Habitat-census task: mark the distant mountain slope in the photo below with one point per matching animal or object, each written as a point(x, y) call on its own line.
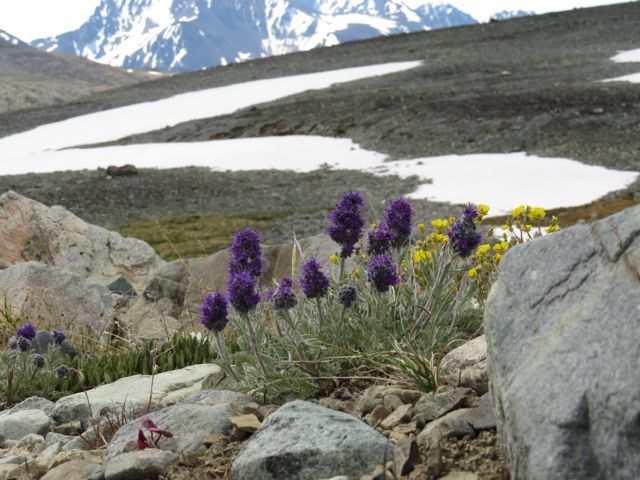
point(30, 78)
point(188, 35)
point(7, 39)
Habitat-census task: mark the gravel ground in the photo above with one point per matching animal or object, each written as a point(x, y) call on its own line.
point(529, 84)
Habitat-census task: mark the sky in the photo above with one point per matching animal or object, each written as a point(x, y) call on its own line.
point(31, 19)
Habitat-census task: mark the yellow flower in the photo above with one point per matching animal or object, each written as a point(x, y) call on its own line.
point(439, 224)
point(501, 247)
point(421, 228)
point(497, 257)
point(482, 249)
point(552, 228)
point(504, 227)
point(527, 228)
point(483, 209)
point(357, 273)
point(472, 273)
point(421, 256)
point(374, 226)
point(536, 214)
point(518, 211)
point(439, 238)
point(334, 259)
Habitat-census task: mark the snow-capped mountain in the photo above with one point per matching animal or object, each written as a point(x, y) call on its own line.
point(186, 35)
point(7, 38)
point(507, 14)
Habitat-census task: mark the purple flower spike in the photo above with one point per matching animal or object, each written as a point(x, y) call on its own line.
point(315, 283)
point(59, 335)
point(214, 311)
point(347, 295)
point(397, 218)
point(383, 272)
point(246, 253)
point(26, 330)
point(38, 360)
point(62, 371)
point(242, 292)
point(24, 344)
point(346, 222)
point(379, 240)
point(283, 297)
point(462, 235)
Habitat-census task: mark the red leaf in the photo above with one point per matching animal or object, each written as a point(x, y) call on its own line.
point(142, 441)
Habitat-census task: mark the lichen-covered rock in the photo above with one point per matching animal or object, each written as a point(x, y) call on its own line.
point(46, 294)
point(16, 425)
point(562, 326)
point(303, 441)
point(30, 230)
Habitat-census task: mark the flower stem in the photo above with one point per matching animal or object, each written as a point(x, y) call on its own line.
point(341, 271)
point(254, 346)
point(320, 315)
point(224, 354)
point(298, 342)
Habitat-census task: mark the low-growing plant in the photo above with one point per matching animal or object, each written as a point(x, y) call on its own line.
point(390, 309)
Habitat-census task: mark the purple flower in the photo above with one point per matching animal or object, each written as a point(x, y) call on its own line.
point(26, 330)
point(313, 280)
point(463, 237)
point(383, 272)
point(379, 240)
point(246, 254)
point(242, 292)
point(38, 360)
point(397, 218)
point(347, 295)
point(62, 371)
point(58, 335)
point(283, 297)
point(346, 222)
point(214, 311)
point(24, 344)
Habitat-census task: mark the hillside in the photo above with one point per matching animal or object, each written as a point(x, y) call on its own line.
point(30, 78)
point(528, 84)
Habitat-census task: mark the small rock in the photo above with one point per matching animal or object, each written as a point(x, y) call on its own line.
point(72, 427)
point(392, 401)
point(122, 171)
point(209, 440)
point(457, 475)
point(245, 423)
point(11, 471)
point(434, 405)
point(16, 425)
point(31, 403)
point(405, 456)
point(76, 470)
point(406, 428)
point(148, 463)
point(466, 366)
point(379, 413)
point(29, 445)
point(218, 397)
point(398, 416)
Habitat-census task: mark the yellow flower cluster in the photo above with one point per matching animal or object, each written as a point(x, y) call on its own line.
point(526, 223)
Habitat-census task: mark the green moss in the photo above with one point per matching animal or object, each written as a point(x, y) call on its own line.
point(195, 235)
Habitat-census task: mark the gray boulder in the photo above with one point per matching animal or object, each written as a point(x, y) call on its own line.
point(30, 230)
point(562, 335)
point(188, 422)
point(168, 389)
point(150, 463)
point(47, 294)
point(303, 441)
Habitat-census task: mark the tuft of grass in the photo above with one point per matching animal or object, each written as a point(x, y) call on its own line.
point(195, 235)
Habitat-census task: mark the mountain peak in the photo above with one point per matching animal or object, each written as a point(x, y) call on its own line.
point(7, 39)
point(186, 35)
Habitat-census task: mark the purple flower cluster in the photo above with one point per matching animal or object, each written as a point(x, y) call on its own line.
point(242, 292)
point(463, 237)
point(313, 280)
point(397, 218)
point(347, 295)
point(38, 360)
point(58, 335)
point(346, 222)
point(283, 297)
point(383, 272)
point(246, 253)
point(214, 311)
point(26, 330)
point(379, 240)
point(62, 371)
